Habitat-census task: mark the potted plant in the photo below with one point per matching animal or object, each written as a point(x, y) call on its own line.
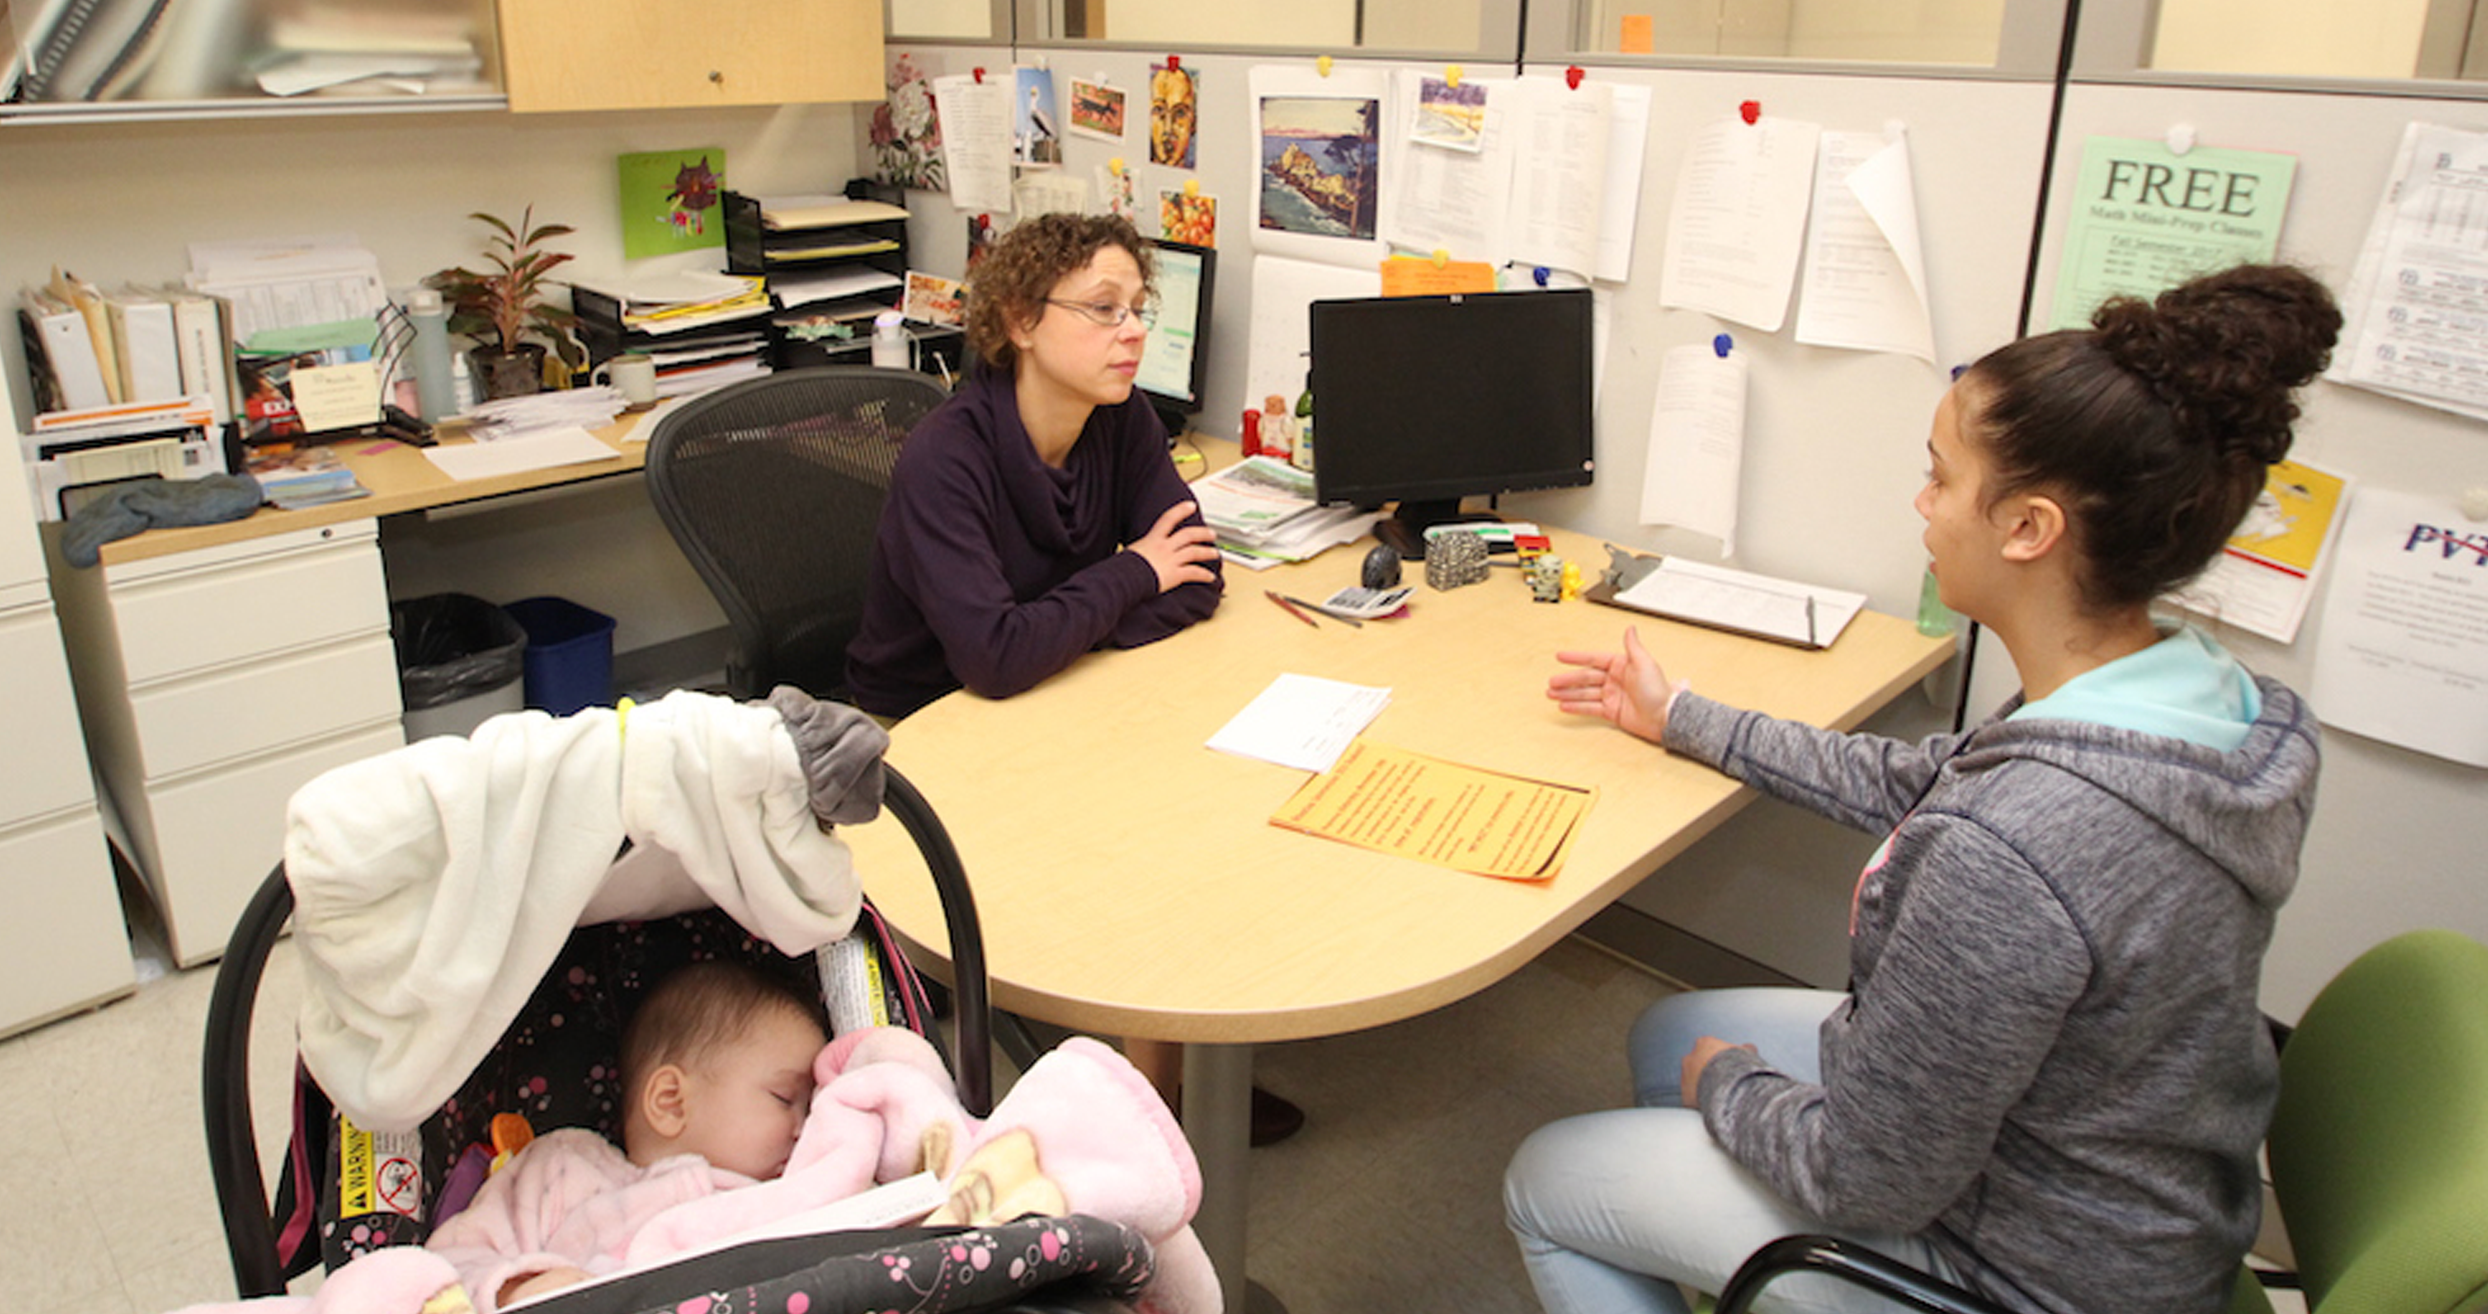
point(503, 307)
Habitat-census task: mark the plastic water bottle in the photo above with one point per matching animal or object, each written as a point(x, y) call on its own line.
point(435, 377)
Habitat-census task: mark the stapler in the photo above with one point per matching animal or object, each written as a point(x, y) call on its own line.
point(405, 428)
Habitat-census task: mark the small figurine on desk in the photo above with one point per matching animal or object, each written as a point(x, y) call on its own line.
point(1278, 428)
point(1546, 577)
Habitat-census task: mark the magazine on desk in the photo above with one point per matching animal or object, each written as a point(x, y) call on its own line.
point(1264, 513)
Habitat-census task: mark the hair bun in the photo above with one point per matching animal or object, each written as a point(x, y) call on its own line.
point(2226, 351)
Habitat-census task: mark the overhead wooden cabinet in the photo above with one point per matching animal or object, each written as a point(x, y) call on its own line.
point(674, 54)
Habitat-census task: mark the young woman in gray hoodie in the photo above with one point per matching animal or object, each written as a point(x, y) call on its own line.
point(2050, 1075)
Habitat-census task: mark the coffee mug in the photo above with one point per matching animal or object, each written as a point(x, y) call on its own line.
point(634, 376)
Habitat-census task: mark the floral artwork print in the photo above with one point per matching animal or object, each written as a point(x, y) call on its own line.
point(906, 131)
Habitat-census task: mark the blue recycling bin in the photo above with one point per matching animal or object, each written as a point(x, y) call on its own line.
point(569, 662)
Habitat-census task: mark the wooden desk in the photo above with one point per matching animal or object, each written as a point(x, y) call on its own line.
point(218, 668)
point(1129, 882)
point(401, 479)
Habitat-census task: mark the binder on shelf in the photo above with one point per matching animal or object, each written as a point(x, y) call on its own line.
point(204, 341)
point(144, 342)
point(69, 375)
point(82, 296)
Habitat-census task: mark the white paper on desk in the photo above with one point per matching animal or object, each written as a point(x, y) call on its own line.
point(976, 140)
point(541, 450)
point(1697, 443)
point(2403, 652)
point(1865, 284)
point(1738, 219)
point(1301, 721)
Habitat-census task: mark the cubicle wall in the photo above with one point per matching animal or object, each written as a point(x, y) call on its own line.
point(2398, 835)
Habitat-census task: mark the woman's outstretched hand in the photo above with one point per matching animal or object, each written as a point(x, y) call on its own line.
point(1179, 553)
point(1625, 687)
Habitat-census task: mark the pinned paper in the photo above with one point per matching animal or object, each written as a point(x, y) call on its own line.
point(1697, 443)
point(1865, 281)
point(1409, 276)
point(976, 141)
point(1738, 219)
point(1097, 110)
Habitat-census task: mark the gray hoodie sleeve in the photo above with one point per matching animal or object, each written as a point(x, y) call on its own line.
point(1866, 782)
point(1975, 976)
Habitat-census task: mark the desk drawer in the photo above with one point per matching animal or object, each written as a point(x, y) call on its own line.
point(222, 609)
point(219, 833)
point(273, 701)
point(43, 767)
point(62, 942)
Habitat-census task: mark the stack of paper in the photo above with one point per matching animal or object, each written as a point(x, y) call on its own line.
point(1264, 513)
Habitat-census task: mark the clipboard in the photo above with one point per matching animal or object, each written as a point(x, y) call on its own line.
point(1718, 598)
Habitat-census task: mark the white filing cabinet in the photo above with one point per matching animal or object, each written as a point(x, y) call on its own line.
point(63, 946)
point(214, 683)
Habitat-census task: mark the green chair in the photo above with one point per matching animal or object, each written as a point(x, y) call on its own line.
point(2378, 1152)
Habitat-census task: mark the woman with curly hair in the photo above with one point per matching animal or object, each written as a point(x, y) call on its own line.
point(1035, 515)
point(2049, 1077)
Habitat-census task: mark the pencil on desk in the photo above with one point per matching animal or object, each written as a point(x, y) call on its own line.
point(1319, 609)
point(1289, 607)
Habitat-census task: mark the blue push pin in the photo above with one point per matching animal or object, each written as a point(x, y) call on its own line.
point(1958, 371)
point(1722, 344)
point(1540, 274)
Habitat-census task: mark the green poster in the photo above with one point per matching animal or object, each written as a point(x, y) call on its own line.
point(671, 201)
point(2144, 218)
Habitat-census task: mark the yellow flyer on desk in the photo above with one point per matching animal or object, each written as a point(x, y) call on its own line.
point(1467, 818)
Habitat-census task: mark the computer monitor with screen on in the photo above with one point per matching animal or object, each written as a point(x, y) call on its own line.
point(1176, 359)
point(1427, 400)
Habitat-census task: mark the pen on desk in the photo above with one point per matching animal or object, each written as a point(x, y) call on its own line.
point(1810, 640)
point(1289, 607)
point(1325, 611)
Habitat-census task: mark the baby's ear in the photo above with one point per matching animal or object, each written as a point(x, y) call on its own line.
point(664, 1101)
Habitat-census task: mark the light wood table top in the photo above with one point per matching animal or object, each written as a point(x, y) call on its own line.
point(1128, 879)
point(400, 480)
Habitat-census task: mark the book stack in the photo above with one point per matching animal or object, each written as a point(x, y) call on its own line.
point(65, 451)
point(1263, 512)
point(298, 477)
point(703, 330)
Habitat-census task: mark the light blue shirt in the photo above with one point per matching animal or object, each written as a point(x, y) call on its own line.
point(2184, 687)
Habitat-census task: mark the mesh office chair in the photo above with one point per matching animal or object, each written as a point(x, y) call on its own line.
point(2378, 1151)
point(773, 488)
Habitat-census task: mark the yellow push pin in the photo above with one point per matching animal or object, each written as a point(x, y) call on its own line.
point(1192, 187)
point(1451, 75)
point(1116, 164)
point(1321, 64)
point(1441, 257)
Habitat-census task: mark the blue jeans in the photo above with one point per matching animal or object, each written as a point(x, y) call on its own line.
point(1613, 1210)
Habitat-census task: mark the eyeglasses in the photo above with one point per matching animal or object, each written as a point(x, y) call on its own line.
point(1108, 314)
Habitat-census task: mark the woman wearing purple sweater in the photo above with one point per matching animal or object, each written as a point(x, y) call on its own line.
point(1035, 516)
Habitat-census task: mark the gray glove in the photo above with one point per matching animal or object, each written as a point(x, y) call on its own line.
point(840, 749)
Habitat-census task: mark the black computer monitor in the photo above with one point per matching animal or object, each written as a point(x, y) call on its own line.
point(1427, 400)
point(1176, 360)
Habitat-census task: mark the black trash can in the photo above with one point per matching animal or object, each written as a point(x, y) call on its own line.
point(459, 659)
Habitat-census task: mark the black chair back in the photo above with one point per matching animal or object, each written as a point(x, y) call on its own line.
point(773, 489)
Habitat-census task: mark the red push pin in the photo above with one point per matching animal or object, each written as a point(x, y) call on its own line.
point(1572, 77)
point(980, 76)
point(1174, 61)
point(1751, 110)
